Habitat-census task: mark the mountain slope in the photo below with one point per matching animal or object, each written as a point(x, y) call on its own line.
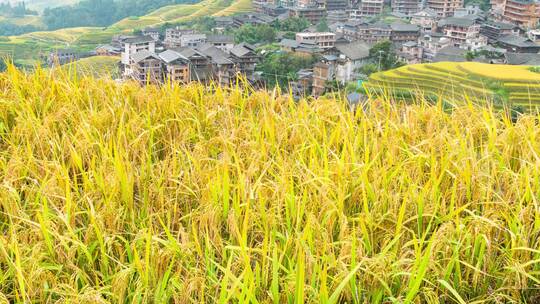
point(26, 48)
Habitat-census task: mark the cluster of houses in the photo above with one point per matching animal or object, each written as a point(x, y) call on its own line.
point(182, 56)
point(420, 31)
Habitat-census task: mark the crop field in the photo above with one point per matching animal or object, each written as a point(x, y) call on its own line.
point(95, 66)
point(26, 48)
point(115, 193)
point(21, 21)
point(502, 85)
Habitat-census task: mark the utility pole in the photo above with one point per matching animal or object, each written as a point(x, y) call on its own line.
point(380, 58)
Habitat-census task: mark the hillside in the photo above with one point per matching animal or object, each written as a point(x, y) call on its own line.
point(118, 194)
point(26, 48)
point(503, 85)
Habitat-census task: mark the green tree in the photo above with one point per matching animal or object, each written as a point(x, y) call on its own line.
point(384, 55)
point(280, 68)
point(322, 26)
point(292, 24)
point(255, 34)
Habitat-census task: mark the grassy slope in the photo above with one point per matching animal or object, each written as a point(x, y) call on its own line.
point(504, 84)
point(115, 194)
point(27, 47)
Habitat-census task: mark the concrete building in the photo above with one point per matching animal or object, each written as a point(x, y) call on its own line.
point(312, 14)
point(192, 40)
point(368, 8)
point(426, 19)
point(135, 45)
point(222, 42)
point(173, 36)
point(432, 43)
point(323, 40)
point(152, 32)
point(444, 8)
point(407, 7)
point(459, 30)
point(524, 13)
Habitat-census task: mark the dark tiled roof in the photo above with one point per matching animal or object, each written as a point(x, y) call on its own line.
point(522, 59)
point(355, 50)
point(217, 55)
point(139, 39)
point(456, 21)
point(404, 27)
point(142, 55)
point(514, 40)
point(169, 56)
point(220, 39)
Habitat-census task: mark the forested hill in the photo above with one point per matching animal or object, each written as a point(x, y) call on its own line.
point(101, 12)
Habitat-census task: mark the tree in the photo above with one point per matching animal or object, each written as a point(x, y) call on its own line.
point(281, 68)
point(322, 26)
point(384, 55)
point(255, 34)
point(293, 24)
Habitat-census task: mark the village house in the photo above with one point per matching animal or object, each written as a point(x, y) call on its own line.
point(373, 33)
point(518, 44)
point(493, 30)
point(107, 50)
point(222, 67)
point(252, 19)
point(152, 32)
point(432, 43)
point(200, 64)
point(145, 67)
point(337, 16)
point(223, 23)
point(407, 7)
point(367, 8)
point(323, 40)
point(336, 5)
point(176, 66)
point(60, 57)
point(350, 58)
point(273, 10)
point(192, 40)
point(469, 10)
point(305, 49)
point(303, 85)
point(222, 42)
point(322, 73)
point(402, 32)
point(135, 45)
point(426, 19)
point(411, 52)
point(524, 13)
point(463, 32)
point(173, 36)
point(444, 8)
point(245, 58)
point(313, 14)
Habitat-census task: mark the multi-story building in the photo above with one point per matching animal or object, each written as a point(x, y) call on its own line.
point(176, 66)
point(273, 10)
point(245, 58)
point(459, 30)
point(493, 30)
point(135, 45)
point(146, 68)
point(200, 64)
point(336, 5)
point(432, 43)
point(252, 18)
point(222, 42)
point(471, 9)
point(312, 14)
point(426, 19)
point(192, 40)
point(259, 4)
point(518, 44)
point(152, 32)
point(402, 32)
point(444, 8)
point(60, 57)
point(368, 8)
point(322, 73)
point(407, 7)
point(373, 33)
point(524, 13)
point(337, 16)
point(497, 7)
point(323, 40)
point(411, 52)
point(173, 36)
point(222, 67)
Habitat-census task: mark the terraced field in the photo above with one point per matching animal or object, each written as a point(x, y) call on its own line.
point(26, 48)
point(453, 82)
point(96, 66)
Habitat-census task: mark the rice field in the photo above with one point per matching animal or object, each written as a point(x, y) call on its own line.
point(115, 193)
point(27, 48)
point(501, 85)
